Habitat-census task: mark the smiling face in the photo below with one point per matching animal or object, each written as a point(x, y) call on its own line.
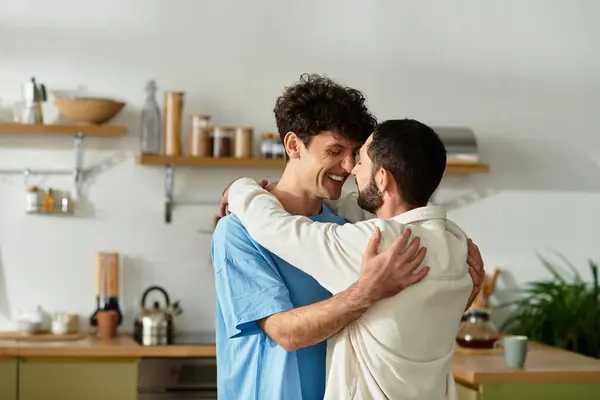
point(325, 163)
point(369, 197)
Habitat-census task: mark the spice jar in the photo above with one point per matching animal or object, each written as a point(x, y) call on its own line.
point(222, 138)
point(277, 147)
point(200, 144)
point(243, 142)
point(49, 202)
point(32, 200)
point(66, 205)
point(266, 145)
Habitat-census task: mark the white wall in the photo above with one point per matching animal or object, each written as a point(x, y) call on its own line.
point(524, 75)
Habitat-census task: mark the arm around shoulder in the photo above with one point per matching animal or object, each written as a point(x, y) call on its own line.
point(329, 252)
point(347, 207)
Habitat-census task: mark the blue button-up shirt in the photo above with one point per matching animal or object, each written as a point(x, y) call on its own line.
point(252, 284)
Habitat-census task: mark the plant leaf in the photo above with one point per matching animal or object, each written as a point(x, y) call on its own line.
point(559, 311)
point(576, 275)
point(551, 269)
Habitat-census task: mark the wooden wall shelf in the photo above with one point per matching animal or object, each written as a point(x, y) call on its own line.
point(170, 162)
point(456, 167)
point(77, 132)
point(14, 128)
point(209, 162)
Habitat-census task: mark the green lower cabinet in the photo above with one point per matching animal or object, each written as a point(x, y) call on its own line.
point(528, 391)
point(77, 379)
point(8, 378)
point(466, 393)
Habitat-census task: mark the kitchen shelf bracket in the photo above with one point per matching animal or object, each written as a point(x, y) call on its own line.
point(78, 171)
point(170, 201)
point(169, 184)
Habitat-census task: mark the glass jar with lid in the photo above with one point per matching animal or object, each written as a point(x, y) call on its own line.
point(222, 141)
point(266, 145)
point(32, 200)
point(200, 144)
point(278, 148)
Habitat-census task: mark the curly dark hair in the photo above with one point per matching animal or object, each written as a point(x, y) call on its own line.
point(316, 104)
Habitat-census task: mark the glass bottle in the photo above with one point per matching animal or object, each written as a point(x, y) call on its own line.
point(151, 122)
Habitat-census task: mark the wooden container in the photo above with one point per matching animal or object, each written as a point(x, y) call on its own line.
point(107, 324)
point(200, 140)
point(173, 110)
point(242, 147)
point(107, 280)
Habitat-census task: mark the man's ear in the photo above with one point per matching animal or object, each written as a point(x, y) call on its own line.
point(385, 180)
point(292, 143)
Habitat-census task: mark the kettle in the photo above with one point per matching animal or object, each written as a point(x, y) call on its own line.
point(155, 326)
point(33, 96)
point(476, 331)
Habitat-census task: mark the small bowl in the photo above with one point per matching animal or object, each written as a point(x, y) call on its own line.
point(28, 327)
point(89, 110)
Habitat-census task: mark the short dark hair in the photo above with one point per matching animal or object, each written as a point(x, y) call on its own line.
point(414, 154)
point(316, 104)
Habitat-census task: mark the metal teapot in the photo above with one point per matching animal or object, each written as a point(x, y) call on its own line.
point(156, 326)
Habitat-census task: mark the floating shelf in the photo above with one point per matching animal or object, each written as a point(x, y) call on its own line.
point(14, 128)
point(453, 167)
point(211, 162)
point(170, 162)
point(53, 213)
point(78, 132)
point(460, 167)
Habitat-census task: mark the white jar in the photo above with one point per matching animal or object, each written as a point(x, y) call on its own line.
point(32, 200)
point(60, 327)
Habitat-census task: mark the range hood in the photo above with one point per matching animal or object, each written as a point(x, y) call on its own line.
point(460, 142)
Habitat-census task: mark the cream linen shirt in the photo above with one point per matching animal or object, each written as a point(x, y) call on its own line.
point(401, 347)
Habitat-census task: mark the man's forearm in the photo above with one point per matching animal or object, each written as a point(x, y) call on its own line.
point(312, 324)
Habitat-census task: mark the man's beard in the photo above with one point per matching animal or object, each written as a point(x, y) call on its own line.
point(369, 199)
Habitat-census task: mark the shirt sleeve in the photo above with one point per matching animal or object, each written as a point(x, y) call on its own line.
point(248, 287)
point(329, 252)
point(347, 207)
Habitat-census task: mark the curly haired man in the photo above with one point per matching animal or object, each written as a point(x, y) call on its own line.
point(273, 319)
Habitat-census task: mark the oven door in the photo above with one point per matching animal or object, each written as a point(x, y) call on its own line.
point(177, 378)
point(178, 396)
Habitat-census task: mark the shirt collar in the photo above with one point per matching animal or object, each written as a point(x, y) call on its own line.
point(421, 214)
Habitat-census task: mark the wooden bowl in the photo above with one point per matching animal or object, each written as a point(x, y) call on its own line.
point(89, 110)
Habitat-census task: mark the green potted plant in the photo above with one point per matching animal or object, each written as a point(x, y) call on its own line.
point(563, 311)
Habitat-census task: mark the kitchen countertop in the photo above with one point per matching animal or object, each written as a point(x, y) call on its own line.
point(543, 364)
point(470, 367)
point(91, 347)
